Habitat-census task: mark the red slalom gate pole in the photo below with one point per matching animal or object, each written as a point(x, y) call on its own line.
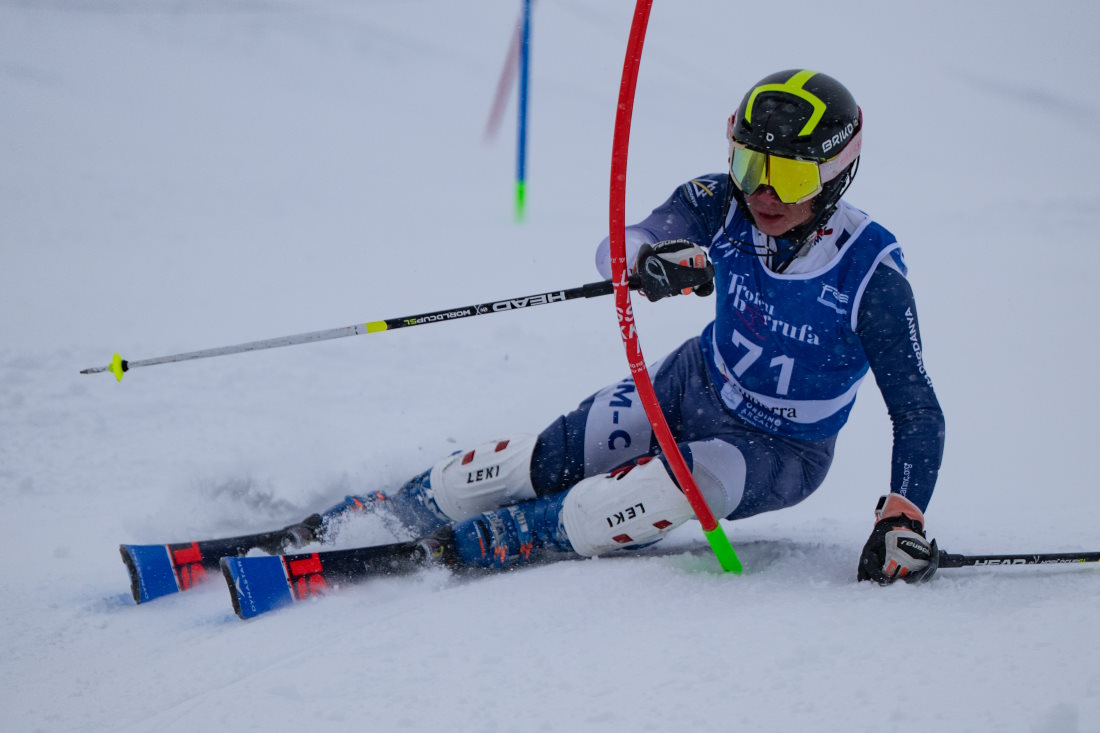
point(507, 76)
point(715, 535)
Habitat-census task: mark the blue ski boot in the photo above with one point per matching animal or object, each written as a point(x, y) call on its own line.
point(512, 535)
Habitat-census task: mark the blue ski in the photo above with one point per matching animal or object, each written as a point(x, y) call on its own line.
point(263, 583)
point(159, 570)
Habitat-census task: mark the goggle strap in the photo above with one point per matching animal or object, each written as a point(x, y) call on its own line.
point(833, 167)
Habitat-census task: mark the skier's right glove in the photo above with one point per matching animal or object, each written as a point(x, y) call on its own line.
point(897, 547)
point(674, 267)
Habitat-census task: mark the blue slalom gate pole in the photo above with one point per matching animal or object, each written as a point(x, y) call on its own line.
point(524, 74)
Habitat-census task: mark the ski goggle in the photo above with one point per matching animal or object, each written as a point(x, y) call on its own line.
point(793, 180)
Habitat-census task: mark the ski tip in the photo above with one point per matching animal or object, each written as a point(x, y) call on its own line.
point(151, 571)
point(233, 596)
point(135, 582)
point(256, 584)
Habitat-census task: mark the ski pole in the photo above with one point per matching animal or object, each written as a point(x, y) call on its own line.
point(120, 366)
point(950, 560)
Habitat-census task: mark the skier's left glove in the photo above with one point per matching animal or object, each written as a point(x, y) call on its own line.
point(897, 547)
point(674, 267)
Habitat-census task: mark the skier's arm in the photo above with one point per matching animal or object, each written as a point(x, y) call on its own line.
point(692, 213)
point(887, 327)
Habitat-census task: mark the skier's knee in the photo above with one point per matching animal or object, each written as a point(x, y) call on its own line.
point(639, 504)
point(629, 507)
point(491, 475)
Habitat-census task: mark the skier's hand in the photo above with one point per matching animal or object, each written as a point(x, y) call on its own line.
point(897, 547)
point(673, 267)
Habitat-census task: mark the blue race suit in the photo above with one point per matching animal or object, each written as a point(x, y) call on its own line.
point(774, 376)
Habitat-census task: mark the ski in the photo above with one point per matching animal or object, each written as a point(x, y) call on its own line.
point(259, 584)
point(160, 570)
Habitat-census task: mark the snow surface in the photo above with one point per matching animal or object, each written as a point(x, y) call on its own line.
point(181, 175)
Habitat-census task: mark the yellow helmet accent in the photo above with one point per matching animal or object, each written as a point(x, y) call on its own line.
point(792, 86)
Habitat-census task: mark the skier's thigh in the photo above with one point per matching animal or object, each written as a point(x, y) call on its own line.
point(616, 429)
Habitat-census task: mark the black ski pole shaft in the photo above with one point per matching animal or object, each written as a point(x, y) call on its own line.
point(120, 366)
point(950, 560)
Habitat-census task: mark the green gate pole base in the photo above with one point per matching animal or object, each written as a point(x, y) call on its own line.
point(727, 558)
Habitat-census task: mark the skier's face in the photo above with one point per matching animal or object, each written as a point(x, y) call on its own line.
point(772, 216)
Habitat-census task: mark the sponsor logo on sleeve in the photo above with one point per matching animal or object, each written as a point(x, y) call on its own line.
point(697, 188)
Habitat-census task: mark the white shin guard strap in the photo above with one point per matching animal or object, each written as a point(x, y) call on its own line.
point(612, 511)
point(488, 477)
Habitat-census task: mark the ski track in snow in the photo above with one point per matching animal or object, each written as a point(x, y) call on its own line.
point(181, 176)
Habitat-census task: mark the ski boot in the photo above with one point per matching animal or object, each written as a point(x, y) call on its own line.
point(512, 535)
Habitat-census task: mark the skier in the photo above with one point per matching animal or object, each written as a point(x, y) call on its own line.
point(810, 294)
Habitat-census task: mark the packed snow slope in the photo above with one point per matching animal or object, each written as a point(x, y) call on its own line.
point(175, 176)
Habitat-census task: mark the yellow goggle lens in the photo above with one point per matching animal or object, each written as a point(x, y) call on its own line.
point(794, 181)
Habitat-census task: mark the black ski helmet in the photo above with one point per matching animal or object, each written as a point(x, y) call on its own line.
point(805, 115)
